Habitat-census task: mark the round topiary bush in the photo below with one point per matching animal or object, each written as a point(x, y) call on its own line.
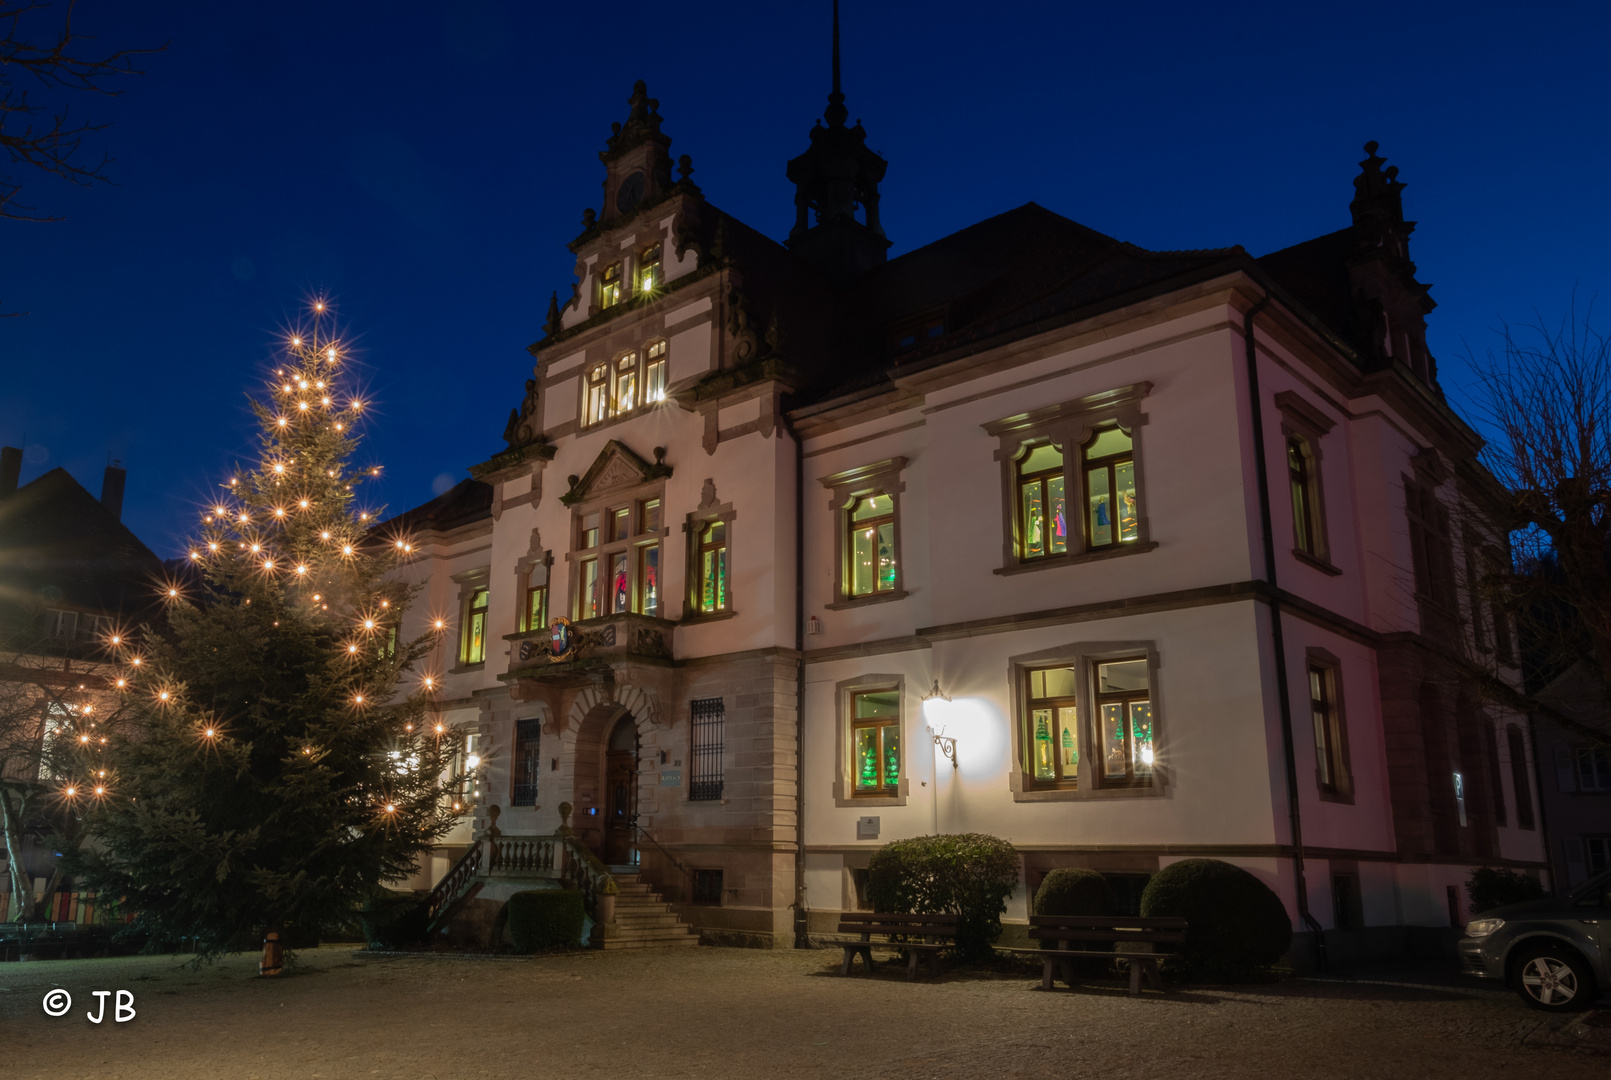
point(1234, 923)
point(970, 874)
point(544, 919)
point(1071, 891)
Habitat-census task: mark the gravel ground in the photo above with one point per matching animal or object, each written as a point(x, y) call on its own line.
point(717, 1013)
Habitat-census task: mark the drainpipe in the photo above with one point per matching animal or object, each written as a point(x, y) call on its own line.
point(801, 930)
point(1277, 641)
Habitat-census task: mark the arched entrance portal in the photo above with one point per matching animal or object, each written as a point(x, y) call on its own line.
point(620, 791)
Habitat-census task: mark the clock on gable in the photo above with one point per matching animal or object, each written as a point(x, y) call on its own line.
point(630, 193)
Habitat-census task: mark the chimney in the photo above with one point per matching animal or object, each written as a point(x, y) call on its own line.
point(112, 490)
point(10, 469)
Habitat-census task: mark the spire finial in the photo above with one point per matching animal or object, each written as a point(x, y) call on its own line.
point(836, 111)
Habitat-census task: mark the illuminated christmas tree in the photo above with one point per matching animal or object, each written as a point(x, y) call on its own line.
point(284, 762)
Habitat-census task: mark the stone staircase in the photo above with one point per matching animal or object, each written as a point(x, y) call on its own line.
point(643, 920)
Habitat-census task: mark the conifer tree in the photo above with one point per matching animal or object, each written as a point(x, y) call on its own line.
point(284, 763)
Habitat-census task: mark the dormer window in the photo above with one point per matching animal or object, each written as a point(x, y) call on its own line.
point(649, 278)
point(630, 382)
point(610, 286)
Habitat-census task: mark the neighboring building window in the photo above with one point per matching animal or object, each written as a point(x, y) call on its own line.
point(473, 629)
point(707, 886)
point(654, 373)
point(1597, 853)
point(871, 545)
point(610, 286)
point(875, 740)
point(1113, 510)
point(713, 567)
point(1519, 784)
point(1593, 769)
point(649, 269)
point(1053, 738)
point(528, 762)
point(61, 624)
point(1300, 476)
point(1042, 524)
point(1323, 709)
point(705, 749)
point(535, 610)
point(597, 405)
point(1124, 715)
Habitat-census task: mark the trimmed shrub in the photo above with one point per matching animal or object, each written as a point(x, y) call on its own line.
point(1492, 887)
point(392, 920)
point(970, 874)
point(1070, 891)
point(1235, 924)
point(545, 919)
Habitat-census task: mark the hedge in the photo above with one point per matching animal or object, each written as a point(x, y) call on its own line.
point(970, 874)
point(545, 919)
point(1492, 887)
point(1235, 924)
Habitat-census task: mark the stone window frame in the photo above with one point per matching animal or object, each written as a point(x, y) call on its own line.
point(1083, 656)
point(468, 582)
point(709, 511)
point(1071, 424)
point(1302, 421)
point(536, 557)
point(878, 477)
point(634, 497)
point(1342, 789)
point(843, 691)
point(640, 365)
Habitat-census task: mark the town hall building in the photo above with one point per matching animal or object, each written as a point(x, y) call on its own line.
point(1125, 556)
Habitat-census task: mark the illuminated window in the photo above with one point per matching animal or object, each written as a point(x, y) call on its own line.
point(619, 560)
point(654, 374)
point(610, 286)
point(875, 742)
point(1112, 511)
point(649, 278)
point(587, 596)
point(1042, 524)
point(473, 629)
point(536, 608)
point(713, 568)
point(1124, 718)
point(597, 405)
point(626, 384)
point(870, 546)
point(1053, 736)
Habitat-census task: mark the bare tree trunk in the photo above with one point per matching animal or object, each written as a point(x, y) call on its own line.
point(21, 888)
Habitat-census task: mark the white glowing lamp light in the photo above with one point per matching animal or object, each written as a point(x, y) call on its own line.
point(473, 761)
point(936, 709)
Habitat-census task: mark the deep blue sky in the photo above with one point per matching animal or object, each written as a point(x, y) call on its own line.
point(425, 164)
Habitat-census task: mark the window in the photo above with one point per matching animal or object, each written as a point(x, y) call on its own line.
point(535, 610)
point(1518, 777)
point(473, 630)
point(528, 762)
point(707, 886)
point(712, 568)
point(1460, 798)
point(871, 545)
point(610, 286)
point(649, 269)
point(1593, 769)
point(858, 885)
point(622, 543)
point(1124, 716)
point(1496, 774)
point(654, 373)
point(1054, 738)
point(61, 624)
point(1345, 914)
point(1300, 478)
point(1042, 513)
point(875, 737)
point(1331, 770)
point(1429, 545)
point(1597, 853)
point(1113, 512)
point(597, 408)
point(705, 749)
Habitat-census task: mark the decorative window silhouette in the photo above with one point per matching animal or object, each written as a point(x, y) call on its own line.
point(875, 739)
point(1042, 525)
point(473, 629)
point(1113, 507)
point(1053, 738)
point(871, 546)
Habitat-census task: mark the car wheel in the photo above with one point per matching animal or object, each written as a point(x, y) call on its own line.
point(1554, 979)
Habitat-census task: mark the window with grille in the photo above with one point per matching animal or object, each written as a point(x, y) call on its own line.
point(527, 762)
point(707, 886)
point(705, 773)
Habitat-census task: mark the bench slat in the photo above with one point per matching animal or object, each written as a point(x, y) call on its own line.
point(1056, 934)
point(1110, 922)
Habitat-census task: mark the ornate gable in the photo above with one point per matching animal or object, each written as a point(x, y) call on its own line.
point(616, 468)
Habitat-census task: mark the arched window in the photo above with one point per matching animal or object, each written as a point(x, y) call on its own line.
point(1113, 507)
point(1042, 523)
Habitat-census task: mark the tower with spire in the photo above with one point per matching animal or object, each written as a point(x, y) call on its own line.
point(837, 176)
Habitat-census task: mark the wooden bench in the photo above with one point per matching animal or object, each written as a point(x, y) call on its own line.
point(936, 931)
point(1069, 932)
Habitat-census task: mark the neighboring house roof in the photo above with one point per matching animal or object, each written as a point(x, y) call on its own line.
point(60, 547)
point(465, 503)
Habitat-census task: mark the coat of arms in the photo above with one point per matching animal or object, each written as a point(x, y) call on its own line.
point(561, 641)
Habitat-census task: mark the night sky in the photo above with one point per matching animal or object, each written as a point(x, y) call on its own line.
point(424, 165)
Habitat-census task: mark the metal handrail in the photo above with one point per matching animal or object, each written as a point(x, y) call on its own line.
point(673, 859)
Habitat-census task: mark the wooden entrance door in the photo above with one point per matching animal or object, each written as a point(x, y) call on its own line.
point(620, 792)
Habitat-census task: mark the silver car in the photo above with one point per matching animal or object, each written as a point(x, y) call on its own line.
point(1555, 952)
